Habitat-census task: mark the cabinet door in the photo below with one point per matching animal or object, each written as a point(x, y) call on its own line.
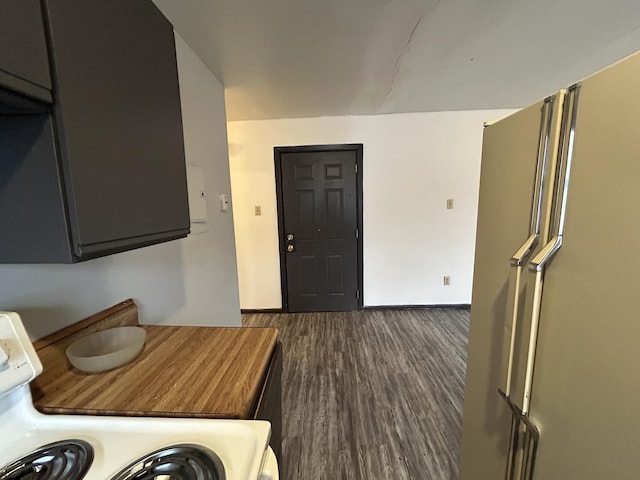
point(24, 65)
point(117, 113)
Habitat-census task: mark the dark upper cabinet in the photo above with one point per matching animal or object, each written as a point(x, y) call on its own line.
point(104, 170)
point(24, 67)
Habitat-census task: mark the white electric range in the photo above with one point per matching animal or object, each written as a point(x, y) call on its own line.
point(34, 446)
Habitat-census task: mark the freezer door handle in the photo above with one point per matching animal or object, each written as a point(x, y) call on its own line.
point(525, 250)
point(542, 259)
point(563, 174)
point(520, 257)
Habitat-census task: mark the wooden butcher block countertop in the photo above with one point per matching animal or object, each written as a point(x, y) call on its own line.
point(211, 372)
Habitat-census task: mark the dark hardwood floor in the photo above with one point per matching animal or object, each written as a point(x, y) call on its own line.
point(371, 394)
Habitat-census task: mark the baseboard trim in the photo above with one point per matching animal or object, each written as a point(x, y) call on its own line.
point(261, 310)
point(460, 306)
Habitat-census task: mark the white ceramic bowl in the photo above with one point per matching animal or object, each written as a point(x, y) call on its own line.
point(106, 349)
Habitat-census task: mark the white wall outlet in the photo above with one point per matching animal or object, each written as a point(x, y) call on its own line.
point(257, 210)
point(446, 280)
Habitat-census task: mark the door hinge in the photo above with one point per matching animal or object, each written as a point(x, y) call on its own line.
point(358, 294)
point(357, 233)
point(356, 168)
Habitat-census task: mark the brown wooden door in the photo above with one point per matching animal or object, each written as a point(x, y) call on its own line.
point(319, 228)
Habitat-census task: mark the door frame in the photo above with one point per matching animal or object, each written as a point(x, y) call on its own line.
point(345, 147)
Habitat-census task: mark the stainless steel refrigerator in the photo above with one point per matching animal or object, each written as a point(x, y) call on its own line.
point(553, 374)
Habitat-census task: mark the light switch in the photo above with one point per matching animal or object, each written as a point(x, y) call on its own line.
point(257, 210)
point(223, 199)
point(449, 203)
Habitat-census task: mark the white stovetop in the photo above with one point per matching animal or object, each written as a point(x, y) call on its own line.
point(118, 441)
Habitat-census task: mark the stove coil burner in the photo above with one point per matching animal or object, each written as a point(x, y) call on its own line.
point(65, 460)
point(177, 462)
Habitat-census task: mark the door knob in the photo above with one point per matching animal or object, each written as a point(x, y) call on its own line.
point(291, 242)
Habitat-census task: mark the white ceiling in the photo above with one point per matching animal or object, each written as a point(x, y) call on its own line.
point(309, 58)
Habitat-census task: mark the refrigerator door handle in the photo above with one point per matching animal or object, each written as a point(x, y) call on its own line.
point(539, 263)
point(519, 258)
point(563, 173)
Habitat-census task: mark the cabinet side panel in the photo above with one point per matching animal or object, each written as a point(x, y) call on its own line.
point(31, 206)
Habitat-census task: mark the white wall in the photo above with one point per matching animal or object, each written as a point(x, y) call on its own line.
point(189, 281)
point(412, 164)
